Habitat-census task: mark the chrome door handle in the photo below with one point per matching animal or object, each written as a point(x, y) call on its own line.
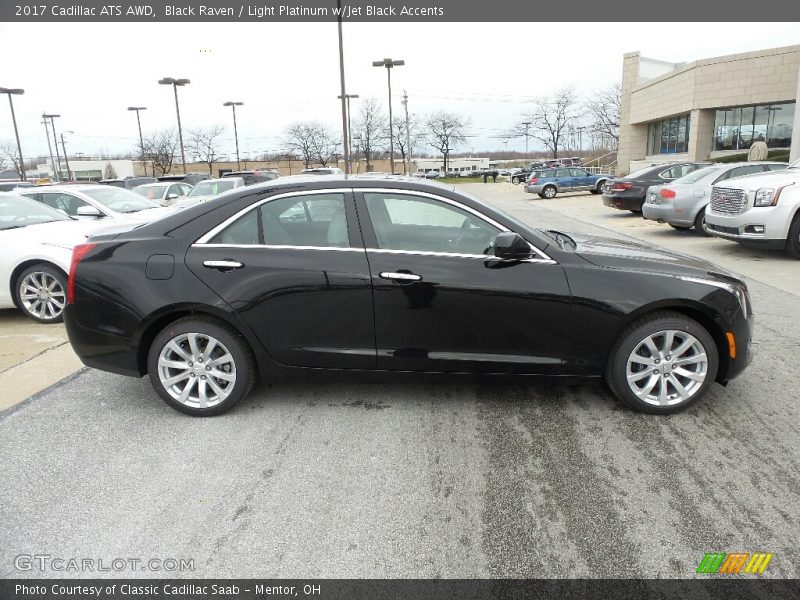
point(222, 264)
point(400, 276)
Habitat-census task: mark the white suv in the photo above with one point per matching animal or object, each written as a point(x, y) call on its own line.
point(759, 210)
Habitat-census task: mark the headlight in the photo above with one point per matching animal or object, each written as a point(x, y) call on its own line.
point(764, 197)
point(739, 291)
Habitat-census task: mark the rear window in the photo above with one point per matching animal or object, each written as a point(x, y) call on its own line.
point(151, 191)
point(212, 188)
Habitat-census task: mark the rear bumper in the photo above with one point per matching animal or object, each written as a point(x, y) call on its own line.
point(623, 202)
point(534, 188)
point(99, 350)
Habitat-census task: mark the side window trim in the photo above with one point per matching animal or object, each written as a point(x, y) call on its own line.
point(203, 241)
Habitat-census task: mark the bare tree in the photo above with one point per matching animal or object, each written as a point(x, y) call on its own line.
point(160, 148)
point(303, 138)
point(415, 136)
point(550, 117)
point(372, 127)
point(9, 157)
point(445, 132)
point(604, 108)
point(327, 146)
point(204, 144)
point(109, 172)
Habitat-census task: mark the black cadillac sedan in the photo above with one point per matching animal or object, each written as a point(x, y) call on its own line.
point(395, 275)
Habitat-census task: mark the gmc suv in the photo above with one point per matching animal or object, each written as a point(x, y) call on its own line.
point(758, 210)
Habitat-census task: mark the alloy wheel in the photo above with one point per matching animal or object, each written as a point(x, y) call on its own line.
point(667, 368)
point(42, 295)
point(197, 370)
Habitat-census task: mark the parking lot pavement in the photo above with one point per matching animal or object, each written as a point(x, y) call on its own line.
point(414, 476)
point(32, 357)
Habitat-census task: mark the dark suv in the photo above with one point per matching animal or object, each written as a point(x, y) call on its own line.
point(628, 193)
point(128, 182)
point(251, 177)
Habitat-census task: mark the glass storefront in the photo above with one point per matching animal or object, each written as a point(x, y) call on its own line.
point(738, 128)
point(670, 136)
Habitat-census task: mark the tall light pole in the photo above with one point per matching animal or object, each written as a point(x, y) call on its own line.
point(49, 147)
point(408, 134)
point(390, 64)
point(580, 140)
point(233, 106)
point(349, 130)
point(342, 94)
point(64, 148)
point(15, 92)
point(176, 83)
point(141, 139)
point(527, 125)
point(55, 142)
point(505, 148)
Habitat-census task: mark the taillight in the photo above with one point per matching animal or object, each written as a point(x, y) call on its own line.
point(619, 186)
point(666, 193)
point(78, 252)
point(533, 180)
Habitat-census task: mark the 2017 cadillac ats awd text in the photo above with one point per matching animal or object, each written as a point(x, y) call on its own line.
point(395, 275)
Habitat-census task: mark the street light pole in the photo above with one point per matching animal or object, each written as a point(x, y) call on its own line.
point(527, 125)
point(349, 130)
point(345, 111)
point(55, 142)
point(233, 106)
point(15, 92)
point(49, 147)
point(64, 148)
point(141, 139)
point(389, 64)
point(175, 83)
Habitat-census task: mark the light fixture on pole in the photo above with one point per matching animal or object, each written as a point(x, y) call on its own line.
point(141, 139)
point(233, 106)
point(389, 64)
point(176, 83)
point(15, 92)
point(349, 129)
point(55, 143)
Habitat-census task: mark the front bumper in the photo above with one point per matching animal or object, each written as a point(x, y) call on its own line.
point(742, 331)
point(765, 227)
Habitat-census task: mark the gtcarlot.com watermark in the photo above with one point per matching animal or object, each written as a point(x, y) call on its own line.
point(61, 564)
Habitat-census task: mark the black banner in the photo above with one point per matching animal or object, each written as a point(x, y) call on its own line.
point(722, 588)
point(394, 11)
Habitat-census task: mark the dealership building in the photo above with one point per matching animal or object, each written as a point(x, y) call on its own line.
point(708, 108)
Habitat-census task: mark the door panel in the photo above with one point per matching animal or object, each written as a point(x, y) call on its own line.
point(310, 306)
point(564, 179)
point(461, 310)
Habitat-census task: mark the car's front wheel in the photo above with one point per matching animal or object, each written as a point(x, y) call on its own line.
point(42, 293)
point(201, 366)
point(598, 189)
point(662, 363)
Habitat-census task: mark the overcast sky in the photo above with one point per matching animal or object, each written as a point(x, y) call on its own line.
point(284, 72)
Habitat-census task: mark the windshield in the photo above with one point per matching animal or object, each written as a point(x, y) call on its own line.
point(151, 191)
point(119, 200)
point(212, 188)
point(16, 211)
point(696, 176)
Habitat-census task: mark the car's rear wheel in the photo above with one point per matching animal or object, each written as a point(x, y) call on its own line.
point(41, 292)
point(662, 363)
point(793, 239)
point(549, 192)
point(201, 366)
point(700, 224)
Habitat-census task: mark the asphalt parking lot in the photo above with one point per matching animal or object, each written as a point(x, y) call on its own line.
point(424, 476)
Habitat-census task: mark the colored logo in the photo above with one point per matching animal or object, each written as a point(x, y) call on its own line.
point(734, 563)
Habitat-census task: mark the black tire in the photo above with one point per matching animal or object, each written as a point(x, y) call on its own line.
point(700, 224)
point(680, 227)
point(33, 308)
point(616, 369)
point(245, 368)
point(549, 192)
point(793, 238)
point(516, 180)
point(541, 195)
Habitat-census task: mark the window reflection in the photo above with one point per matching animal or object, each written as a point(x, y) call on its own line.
point(738, 128)
point(670, 136)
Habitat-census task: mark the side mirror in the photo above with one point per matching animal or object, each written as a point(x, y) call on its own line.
point(511, 246)
point(89, 211)
point(172, 196)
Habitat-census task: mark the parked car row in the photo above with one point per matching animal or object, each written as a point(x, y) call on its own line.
point(753, 203)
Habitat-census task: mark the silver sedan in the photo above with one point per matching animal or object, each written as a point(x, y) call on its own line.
point(682, 203)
